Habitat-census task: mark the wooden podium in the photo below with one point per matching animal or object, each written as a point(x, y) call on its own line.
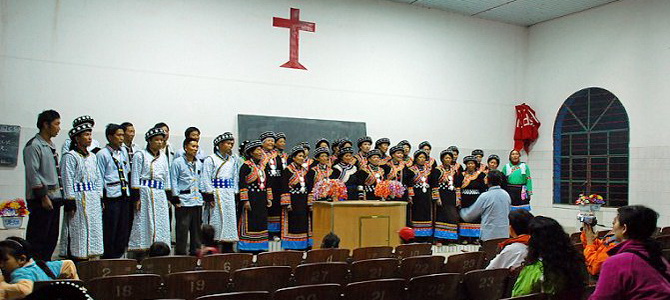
point(360, 223)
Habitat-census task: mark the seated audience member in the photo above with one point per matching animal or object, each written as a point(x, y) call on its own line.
point(553, 265)
point(16, 261)
point(514, 250)
point(406, 235)
point(635, 268)
point(159, 249)
point(209, 245)
point(331, 240)
point(595, 249)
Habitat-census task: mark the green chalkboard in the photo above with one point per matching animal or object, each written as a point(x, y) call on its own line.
point(9, 145)
point(297, 130)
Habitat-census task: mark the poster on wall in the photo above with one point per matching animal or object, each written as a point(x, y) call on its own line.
point(9, 145)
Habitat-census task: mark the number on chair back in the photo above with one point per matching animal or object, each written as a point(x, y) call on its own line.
point(124, 291)
point(469, 264)
point(197, 285)
point(486, 282)
point(421, 268)
point(319, 276)
point(376, 272)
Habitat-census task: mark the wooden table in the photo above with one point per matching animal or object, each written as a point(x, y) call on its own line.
point(359, 223)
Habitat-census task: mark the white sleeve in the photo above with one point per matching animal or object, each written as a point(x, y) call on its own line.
point(236, 174)
point(511, 256)
point(168, 179)
point(206, 178)
point(68, 167)
point(138, 165)
point(66, 147)
point(174, 172)
point(99, 180)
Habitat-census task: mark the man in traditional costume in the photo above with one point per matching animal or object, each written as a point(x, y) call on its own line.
point(150, 184)
point(95, 145)
point(82, 236)
point(220, 180)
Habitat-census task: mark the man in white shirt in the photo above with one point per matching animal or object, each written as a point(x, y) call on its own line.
point(114, 164)
point(128, 137)
point(514, 249)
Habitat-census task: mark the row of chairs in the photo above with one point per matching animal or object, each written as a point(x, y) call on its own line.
point(233, 261)
point(329, 292)
point(341, 272)
point(163, 266)
point(267, 282)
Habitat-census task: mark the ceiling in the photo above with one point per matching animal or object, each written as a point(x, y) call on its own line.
point(517, 12)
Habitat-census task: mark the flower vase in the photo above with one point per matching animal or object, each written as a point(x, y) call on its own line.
point(12, 222)
point(589, 208)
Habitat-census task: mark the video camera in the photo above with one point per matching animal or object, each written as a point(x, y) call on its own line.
point(587, 219)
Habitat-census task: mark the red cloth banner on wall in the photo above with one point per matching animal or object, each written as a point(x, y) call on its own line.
point(527, 125)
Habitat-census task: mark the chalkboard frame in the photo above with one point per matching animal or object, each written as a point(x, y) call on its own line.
point(297, 130)
point(10, 136)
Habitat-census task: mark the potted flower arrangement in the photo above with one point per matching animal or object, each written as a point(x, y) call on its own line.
point(590, 203)
point(331, 189)
point(389, 189)
point(12, 212)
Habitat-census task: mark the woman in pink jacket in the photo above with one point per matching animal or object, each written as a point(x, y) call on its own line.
point(635, 269)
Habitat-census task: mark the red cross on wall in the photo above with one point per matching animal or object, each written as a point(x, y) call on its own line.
point(295, 25)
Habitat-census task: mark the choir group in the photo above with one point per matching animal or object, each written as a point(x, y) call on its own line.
point(117, 196)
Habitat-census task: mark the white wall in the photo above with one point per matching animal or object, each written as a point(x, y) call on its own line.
point(623, 47)
point(408, 72)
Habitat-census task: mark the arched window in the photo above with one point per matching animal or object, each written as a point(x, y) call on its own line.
point(591, 136)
